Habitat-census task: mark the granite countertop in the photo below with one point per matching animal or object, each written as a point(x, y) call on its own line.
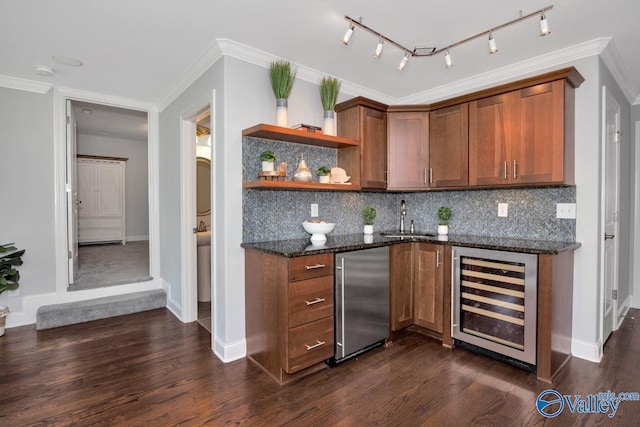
point(300, 247)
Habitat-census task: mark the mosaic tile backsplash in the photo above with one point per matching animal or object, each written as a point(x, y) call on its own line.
point(277, 215)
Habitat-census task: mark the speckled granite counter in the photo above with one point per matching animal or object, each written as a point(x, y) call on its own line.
point(350, 242)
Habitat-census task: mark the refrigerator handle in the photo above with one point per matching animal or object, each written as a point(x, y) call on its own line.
point(454, 264)
point(340, 313)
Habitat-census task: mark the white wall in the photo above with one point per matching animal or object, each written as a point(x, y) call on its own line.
point(136, 185)
point(635, 206)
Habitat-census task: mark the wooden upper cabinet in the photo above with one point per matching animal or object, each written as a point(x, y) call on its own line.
point(449, 147)
point(366, 121)
point(408, 145)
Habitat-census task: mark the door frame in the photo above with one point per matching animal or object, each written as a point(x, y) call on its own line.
point(60, 96)
point(635, 283)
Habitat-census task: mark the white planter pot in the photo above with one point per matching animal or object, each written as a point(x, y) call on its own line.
point(443, 229)
point(4, 311)
point(323, 179)
point(268, 166)
point(282, 114)
point(368, 229)
point(368, 238)
point(329, 124)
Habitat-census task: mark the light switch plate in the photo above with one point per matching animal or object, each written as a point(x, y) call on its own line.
point(566, 210)
point(503, 210)
point(314, 210)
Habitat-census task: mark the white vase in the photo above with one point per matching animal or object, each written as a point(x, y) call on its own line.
point(282, 115)
point(368, 229)
point(443, 229)
point(268, 166)
point(368, 238)
point(323, 179)
point(329, 125)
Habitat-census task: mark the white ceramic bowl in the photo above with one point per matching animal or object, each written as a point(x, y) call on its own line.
point(318, 229)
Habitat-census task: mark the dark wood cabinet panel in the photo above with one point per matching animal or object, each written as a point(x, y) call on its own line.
point(449, 147)
point(429, 286)
point(401, 285)
point(408, 146)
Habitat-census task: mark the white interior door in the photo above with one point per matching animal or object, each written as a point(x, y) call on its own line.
point(611, 153)
point(72, 194)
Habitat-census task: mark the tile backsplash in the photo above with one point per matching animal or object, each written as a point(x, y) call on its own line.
point(277, 215)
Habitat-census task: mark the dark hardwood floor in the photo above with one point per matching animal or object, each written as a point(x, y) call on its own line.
point(151, 369)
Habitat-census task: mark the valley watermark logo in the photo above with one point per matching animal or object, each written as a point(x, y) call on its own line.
point(550, 403)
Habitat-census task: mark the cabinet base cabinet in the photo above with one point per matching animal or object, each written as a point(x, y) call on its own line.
point(401, 286)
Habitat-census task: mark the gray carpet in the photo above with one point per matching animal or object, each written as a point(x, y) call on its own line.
point(112, 264)
point(55, 315)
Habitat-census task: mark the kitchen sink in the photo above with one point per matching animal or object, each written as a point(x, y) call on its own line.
point(398, 234)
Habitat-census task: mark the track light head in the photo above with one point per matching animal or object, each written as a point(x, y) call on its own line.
point(378, 51)
point(492, 44)
point(544, 25)
point(348, 34)
point(403, 62)
point(447, 59)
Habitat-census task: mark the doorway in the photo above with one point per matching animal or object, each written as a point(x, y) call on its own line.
point(203, 218)
point(109, 216)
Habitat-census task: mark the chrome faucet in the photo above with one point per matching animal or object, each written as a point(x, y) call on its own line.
point(403, 213)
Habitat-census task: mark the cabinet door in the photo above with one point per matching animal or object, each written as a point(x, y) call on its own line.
point(401, 285)
point(489, 140)
point(87, 193)
point(449, 147)
point(374, 148)
point(408, 145)
point(537, 151)
point(110, 188)
point(429, 283)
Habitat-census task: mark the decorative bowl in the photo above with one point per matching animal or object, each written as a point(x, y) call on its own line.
point(318, 230)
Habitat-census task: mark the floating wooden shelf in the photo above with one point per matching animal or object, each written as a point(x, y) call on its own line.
point(293, 185)
point(301, 137)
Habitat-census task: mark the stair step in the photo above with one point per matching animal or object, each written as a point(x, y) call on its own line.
point(70, 313)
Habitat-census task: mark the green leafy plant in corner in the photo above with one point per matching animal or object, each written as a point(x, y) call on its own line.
point(329, 89)
point(323, 171)
point(444, 215)
point(267, 156)
point(369, 215)
point(282, 76)
point(10, 257)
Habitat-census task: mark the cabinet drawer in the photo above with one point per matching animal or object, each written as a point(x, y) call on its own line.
point(309, 344)
point(310, 300)
point(307, 267)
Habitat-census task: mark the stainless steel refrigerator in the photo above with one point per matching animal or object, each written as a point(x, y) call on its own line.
point(361, 301)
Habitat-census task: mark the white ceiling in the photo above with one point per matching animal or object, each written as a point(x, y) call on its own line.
point(140, 49)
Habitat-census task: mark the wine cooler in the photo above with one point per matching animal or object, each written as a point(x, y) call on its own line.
point(495, 303)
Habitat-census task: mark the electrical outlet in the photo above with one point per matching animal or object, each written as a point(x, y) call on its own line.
point(503, 209)
point(314, 210)
point(566, 210)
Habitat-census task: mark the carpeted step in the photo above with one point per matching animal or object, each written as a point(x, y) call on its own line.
point(55, 315)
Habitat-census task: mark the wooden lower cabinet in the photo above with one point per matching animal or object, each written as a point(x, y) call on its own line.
point(429, 285)
point(401, 286)
point(289, 313)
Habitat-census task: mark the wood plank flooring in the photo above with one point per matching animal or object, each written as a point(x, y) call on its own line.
point(151, 369)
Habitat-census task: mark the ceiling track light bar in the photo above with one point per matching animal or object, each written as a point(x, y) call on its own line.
point(433, 51)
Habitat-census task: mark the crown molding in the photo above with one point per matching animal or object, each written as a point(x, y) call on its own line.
point(24, 84)
point(614, 62)
point(210, 56)
point(509, 72)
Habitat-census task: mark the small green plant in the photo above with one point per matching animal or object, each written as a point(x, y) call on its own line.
point(267, 156)
point(282, 76)
point(10, 257)
point(329, 88)
point(323, 171)
point(444, 215)
point(369, 215)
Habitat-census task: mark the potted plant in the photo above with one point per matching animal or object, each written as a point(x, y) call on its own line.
point(444, 215)
point(329, 88)
point(10, 257)
point(369, 215)
point(268, 160)
point(323, 174)
point(282, 77)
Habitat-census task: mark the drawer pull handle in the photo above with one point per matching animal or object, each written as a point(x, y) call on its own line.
point(313, 267)
point(315, 301)
point(318, 344)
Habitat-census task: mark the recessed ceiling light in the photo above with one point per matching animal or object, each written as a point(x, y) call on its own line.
point(67, 60)
point(86, 111)
point(104, 132)
point(43, 70)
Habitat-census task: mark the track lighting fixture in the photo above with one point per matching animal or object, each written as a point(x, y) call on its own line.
point(378, 51)
point(431, 51)
point(544, 25)
point(447, 59)
point(492, 43)
point(403, 62)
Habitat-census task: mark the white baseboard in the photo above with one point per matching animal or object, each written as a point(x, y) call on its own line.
point(229, 352)
point(586, 350)
point(623, 309)
point(172, 305)
point(136, 238)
